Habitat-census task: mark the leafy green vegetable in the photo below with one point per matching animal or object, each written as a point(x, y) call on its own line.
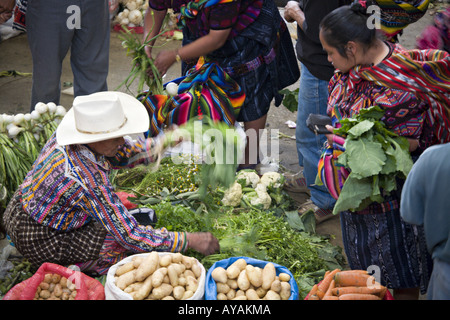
point(375, 156)
point(290, 99)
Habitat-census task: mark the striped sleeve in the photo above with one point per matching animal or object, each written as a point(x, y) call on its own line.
point(106, 207)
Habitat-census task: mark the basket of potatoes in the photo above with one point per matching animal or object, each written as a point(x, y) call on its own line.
point(243, 278)
point(156, 276)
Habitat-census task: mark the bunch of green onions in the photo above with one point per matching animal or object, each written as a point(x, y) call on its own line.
point(22, 136)
point(140, 64)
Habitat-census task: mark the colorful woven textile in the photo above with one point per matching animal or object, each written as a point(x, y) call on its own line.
point(414, 89)
point(396, 15)
point(206, 90)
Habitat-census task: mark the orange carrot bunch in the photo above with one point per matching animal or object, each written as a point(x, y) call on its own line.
point(347, 285)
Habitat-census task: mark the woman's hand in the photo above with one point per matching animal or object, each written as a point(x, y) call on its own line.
point(292, 12)
point(164, 60)
point(329, 135)
point(413, 144)
point(203, 242)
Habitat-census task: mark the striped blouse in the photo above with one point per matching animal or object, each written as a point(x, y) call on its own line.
point(68, 186)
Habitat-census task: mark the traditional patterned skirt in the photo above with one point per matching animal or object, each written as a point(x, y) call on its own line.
point(382, 242)
point(261, 60)
point(89, 247)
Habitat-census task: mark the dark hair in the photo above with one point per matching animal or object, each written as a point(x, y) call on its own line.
point(348, 23)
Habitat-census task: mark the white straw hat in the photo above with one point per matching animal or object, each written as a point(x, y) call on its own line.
point(101, 116)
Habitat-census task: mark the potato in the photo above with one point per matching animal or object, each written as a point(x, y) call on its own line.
point(177, 257)
point(276, 286)
point(222, 296)
point(173, 275)
point(192, 284)
point(144, 289)
point(189, 273)
point(268, 275)
point(219, 274)
point(233, 272)
point(124, 268)
point(137, 261)
point(63, 282)
point(187, 261)
point(162, 291)
point(147, 266)
point(57, 291)
point(134, 286)
point(158, 278)
point(251, 294)
point(261, 292)
point(165, 260)
point(48, 278)
point(44, 285)
point(196, 269)
point(240, 263)
point(222, 288)
point(65, 296)
point(187, 294)
point(178, 292)
point(240, 292)
point(231, 294)
point(56, 278)
point(232, 283)
point(51, 287)
point(168, 298)
point(285, 290)
point(254, 275)
point(242, 281)
point(45, 294)
point(123, 281)
point(284, 277)
point(182, 280)
point(272, 295)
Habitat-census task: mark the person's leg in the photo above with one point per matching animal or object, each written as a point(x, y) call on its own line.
point(313, 95)
point(49, 41)
point(253, 131)
point(90, 48)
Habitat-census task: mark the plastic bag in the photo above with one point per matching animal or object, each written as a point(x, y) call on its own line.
point(112, 292)
point(211, 288)
point(87, 288)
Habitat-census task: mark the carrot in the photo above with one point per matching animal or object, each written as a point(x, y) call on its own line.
point(313, 297)
point(330, 289)
point(313, 290)
point(347, 279)
point(365, 290)
point(358, 296)
point(323, 286)
point(330, 298)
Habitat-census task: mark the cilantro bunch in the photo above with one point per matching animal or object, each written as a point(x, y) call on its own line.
point(375, 156)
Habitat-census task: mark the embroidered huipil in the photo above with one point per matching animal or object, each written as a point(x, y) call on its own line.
point(68, 186)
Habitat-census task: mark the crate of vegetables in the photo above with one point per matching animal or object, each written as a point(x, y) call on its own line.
point(156, 276)
point(348, 285)
point(244, 278)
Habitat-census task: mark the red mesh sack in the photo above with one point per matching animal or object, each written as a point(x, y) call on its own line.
point(87, 288)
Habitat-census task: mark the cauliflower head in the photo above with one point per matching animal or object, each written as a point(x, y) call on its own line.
point(250, 176)
point(259, 197)
point(232, 196)
point(273, 179)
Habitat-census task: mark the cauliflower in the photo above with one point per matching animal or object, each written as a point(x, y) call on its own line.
point(250, 176)
point(233, 195)
point(273, 179)
point(259, 197)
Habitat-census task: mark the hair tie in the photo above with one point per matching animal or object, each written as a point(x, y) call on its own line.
point(363, 4)
point(359, 6)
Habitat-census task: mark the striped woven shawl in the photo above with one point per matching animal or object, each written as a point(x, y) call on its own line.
point(423, 72)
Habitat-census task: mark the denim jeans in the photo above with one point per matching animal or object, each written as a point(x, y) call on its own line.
point(312, 98)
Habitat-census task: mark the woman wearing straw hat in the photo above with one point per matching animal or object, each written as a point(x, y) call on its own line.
point(66, 211)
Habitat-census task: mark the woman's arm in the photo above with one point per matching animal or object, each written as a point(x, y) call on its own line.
point(214, 40)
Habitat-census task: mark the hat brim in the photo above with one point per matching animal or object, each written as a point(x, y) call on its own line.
point(138, 121)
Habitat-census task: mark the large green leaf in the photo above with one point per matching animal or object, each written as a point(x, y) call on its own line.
point(365, 158)
point(353, 193)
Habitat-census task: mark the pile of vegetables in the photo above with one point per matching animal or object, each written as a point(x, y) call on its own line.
point(242, 281)
point(131, 13)
point(22, 136)
point(55, 287)
point(159, 277)
point(19, 271)
point(347, 285)
point(376, 157)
